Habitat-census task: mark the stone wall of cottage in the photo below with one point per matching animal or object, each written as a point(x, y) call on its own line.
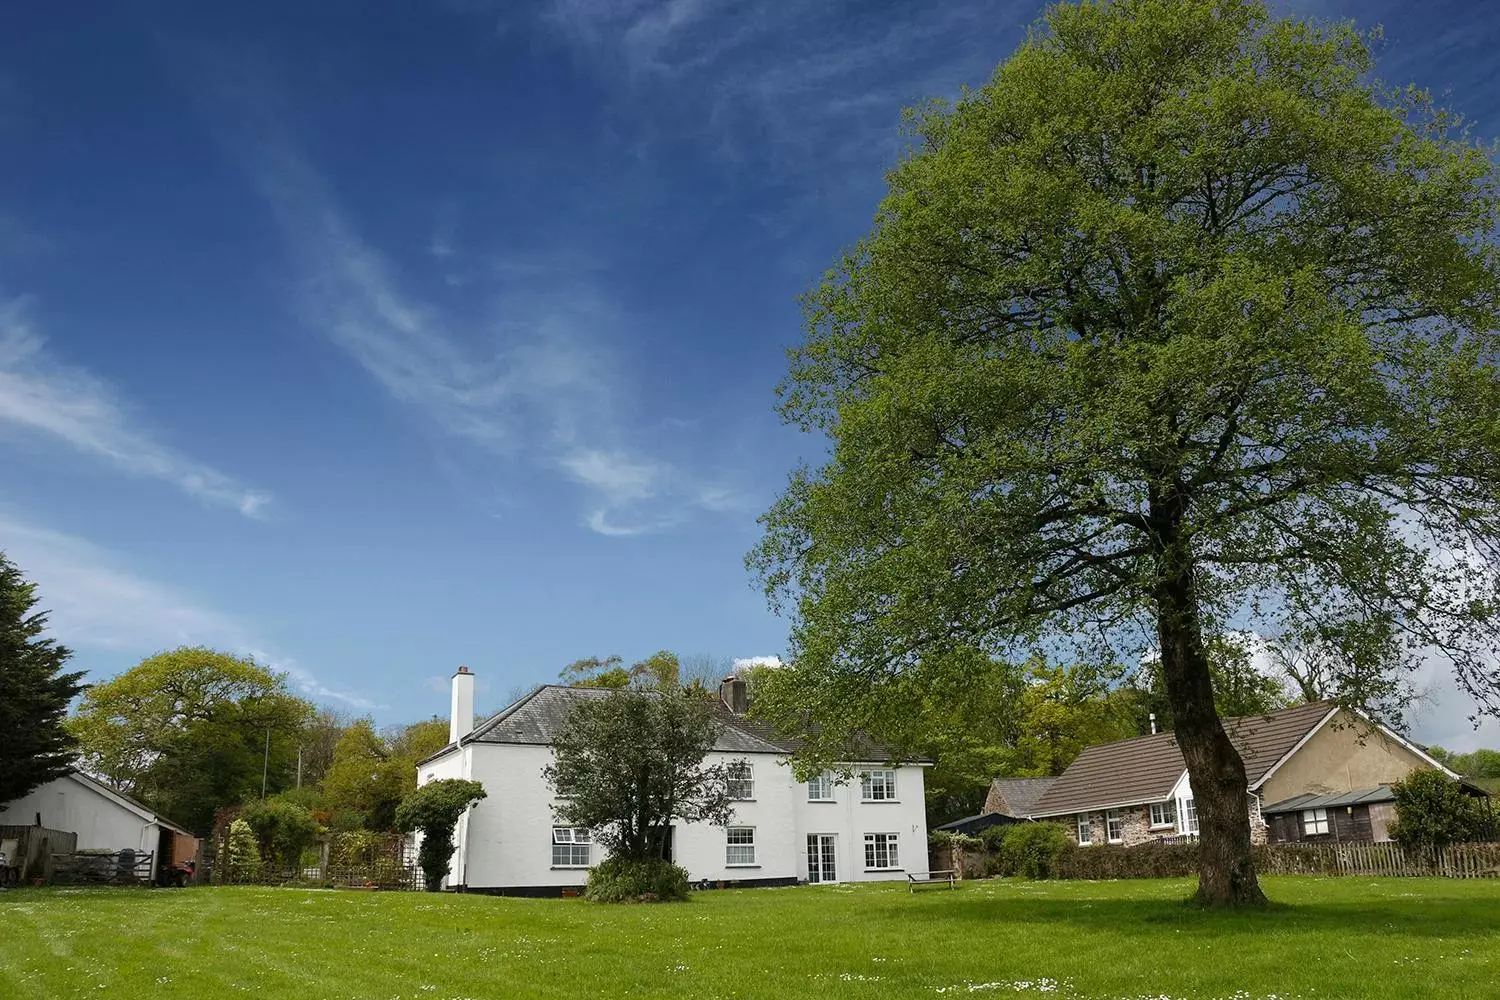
point(1137, 826)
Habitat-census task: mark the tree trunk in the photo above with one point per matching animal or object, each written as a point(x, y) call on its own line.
point(1226, 867)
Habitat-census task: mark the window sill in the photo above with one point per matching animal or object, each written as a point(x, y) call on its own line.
point(879, 802)
point(1120, 841)
point(885, 869)
point(1160, 826)
point(570, 868)
point(741, 800)
point(741, 866)
point(826, 802)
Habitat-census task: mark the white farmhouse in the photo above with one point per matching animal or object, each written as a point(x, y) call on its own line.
point(870, 827)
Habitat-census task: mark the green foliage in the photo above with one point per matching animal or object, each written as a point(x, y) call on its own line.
point(1178, 321)
point(1240, 688)
point(366, 777)
point(34, 693)
point(434, 809)
point(660, 671)
point(1433, 810)
point(629, 880)
point(240, 861)
point(992, 838)
point(186, 731)
point(629, 764)
point(1033, 850)
point(1482, 767)
point(282, 830)
point(370, 776)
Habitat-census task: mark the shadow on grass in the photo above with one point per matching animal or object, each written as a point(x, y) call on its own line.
point(1437, 918)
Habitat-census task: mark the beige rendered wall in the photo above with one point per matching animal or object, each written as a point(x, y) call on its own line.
point(1347, 753)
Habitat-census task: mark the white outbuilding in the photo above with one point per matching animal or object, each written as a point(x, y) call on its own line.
point(103, 819)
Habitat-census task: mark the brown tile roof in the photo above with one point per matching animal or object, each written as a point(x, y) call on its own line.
point(1146, 768)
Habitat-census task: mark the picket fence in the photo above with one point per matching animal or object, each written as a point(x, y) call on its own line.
point(1454, 861)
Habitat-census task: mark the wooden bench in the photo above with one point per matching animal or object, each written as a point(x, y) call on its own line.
point(914, 879)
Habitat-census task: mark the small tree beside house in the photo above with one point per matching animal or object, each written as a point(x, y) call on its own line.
point(625, 768)
point(434, 809)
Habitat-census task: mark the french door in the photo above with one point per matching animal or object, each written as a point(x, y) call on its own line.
point(822, 858)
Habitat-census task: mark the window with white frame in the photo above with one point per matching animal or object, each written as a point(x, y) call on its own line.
point(820, 788)
point(1085, 830)
point(1114, 826)
point(1314, 821)
point(739, 846)
point(570, 846)
point(1189, 816)
point(880, 852)
point(877, 786)
point(1163, 814)
point(741, 780)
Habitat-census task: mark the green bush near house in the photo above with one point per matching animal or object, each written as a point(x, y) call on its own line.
point(1433, 811)
point(623, 880)
point(1033, 850)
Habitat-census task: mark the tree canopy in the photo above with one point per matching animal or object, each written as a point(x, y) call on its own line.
point(630, 764)
point(188, 731)
point(1180, 324)
point(34, 692)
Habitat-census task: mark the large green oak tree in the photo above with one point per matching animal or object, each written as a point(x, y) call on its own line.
point(1181, 324)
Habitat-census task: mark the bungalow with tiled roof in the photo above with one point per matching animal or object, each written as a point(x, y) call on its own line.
point(1302, 764)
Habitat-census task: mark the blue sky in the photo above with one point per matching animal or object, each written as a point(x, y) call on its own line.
point(375, 338)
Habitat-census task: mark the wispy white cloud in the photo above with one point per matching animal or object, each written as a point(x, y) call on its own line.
point(533, 383)
point(746, 662)
point(41, 396)
point(792, 86)
point(97, 604)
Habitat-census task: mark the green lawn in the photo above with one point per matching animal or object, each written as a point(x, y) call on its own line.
point(1327, 938)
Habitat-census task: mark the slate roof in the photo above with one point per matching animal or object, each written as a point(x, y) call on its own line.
point(1021, 794)
point(538, 718)
point(973, 824)
point(1145, 769)
point(1360, 796)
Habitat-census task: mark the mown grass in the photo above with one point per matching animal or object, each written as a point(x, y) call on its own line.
point(1326, 938)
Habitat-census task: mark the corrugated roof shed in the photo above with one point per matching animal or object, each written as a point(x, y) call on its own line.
point(1337, 800)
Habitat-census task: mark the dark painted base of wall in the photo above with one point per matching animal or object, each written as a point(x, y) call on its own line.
point(555, 891)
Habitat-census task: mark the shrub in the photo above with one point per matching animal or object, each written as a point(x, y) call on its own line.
point(621, 880)
point(242, 863)
point(1033, 849)
point(1150, 860)
point(434, 809)
point(1433, 810)
point(283, 830)
point(992, 838)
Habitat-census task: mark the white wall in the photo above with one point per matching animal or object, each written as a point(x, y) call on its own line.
point(849, 819)
point(100, 822)
point(454, 765)
point(506, 840)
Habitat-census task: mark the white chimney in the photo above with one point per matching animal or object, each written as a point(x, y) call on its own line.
point(461, 715)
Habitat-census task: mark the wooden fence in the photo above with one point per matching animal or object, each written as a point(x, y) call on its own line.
point(34, 848)
point(1454, 861)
